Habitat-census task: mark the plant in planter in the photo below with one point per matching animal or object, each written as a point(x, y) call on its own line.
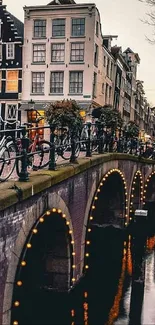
point(131, 129)
point(110, 117)
point(65, 113)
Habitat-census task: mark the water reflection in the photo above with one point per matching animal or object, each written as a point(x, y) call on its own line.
point(119, 288)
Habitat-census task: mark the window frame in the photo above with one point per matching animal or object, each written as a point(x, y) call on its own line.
point(57, 82)
point(75, 82)
point(11, 118)
point(38, 44)
point(39, 20)
point(78, 18)
point(7, 50)
point(1, 51)
point(57, 50)
point(75, 43)
point(7, 72)
point(96, 55)
point(59, 19)
point(37, 92)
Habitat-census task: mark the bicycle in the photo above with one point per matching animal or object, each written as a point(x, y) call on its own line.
point(62, 143)
point(38, 149)
point(7, 151)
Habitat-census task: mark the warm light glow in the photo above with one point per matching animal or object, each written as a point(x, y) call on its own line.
point(86, 267)
point(73, 266)
point(41, 219)
point(72, 242)
point(98, 190)
point(23, 263)
point(73, 253)
point(67, 223)
point(19, 283)
point(64, 216)
point(126, 224)
point(72, 313)
point(29, 245)
point(59, 211)
point(48, 213)
point(93, 207)
point(16, 303)
point(85, 294)
point(87, 254)
point(91, 218)
point(54, 210)
point(89, 230)
point(70, 231)
point(88, 242)
point(35, 231)
point(15, 322)
point(73, 280)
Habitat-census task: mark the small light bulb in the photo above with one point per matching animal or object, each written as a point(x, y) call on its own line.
point(98, 190)
point(54, 210)
point(41, 219)
point(73, 254)
point(88, 242)
point(70, 231)
point(16, 303)
point(35, 231)
point(96, 198)
point(15, 322)
point(59, 211)
point(48, 213)
point(67, 223)
point(91, 218)
point(73, 266)
point(19, 283)
point(87, 254)
point(86, 267)
point(29, 245)
point(64, 215)
point(93, 207)
point(73, 280)
point(89, 230)
point(72, 242)
point(23, 263)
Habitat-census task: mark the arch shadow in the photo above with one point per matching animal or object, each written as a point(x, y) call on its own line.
point(136, 194)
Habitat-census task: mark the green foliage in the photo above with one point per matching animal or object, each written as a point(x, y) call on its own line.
point(64, 113)
point(111, 117)
point(131, 129)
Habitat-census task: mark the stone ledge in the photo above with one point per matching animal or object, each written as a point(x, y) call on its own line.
point(44, 179)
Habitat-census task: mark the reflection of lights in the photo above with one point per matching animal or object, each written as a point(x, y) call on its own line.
point(151, 243)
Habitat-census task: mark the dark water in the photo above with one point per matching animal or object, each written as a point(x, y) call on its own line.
point(119, 287)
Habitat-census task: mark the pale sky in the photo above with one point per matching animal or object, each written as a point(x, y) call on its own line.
point(122, 18)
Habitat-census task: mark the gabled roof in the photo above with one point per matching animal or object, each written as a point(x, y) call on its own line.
point(61, 2)
point(128, 50)
point(18, 24)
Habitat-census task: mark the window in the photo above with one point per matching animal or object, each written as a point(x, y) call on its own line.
point(39, 28)
point(10, 49)
point(97, 28)
point(110, 90)
point(78, 27)
point(58, 52)
point(38, 81)
point(56, 82)
point(108, 65)
point(96, 55)
point(111, 71)
point(0, 82)
point(106, 94)
point(12, 81)
point(58, 27)
point(1, 55)
point(77, 52)
point(39, 53)
point(11, 112)
point(94, 84)
point(76, 82)
point(104, 61)
point(118, 80)
point(103, 88)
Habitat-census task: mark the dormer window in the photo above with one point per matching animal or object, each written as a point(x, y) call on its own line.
point(10, 51)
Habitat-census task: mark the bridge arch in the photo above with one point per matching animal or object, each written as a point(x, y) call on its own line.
point(115, 177)
point(149, 196)
point(59, 261)
point(136, 194)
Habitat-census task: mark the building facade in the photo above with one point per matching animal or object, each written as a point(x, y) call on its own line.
point(11, 40)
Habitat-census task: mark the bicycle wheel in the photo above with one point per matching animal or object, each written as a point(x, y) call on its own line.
point(66, 148)
point(42, 158)
point(7, 161)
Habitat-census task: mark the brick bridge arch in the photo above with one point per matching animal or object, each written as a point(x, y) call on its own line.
point(63, 254)
point(71, 189)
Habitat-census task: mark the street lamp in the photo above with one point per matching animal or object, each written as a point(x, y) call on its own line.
point(31, 112)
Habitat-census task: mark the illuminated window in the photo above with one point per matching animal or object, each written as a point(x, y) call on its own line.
point(10, 51)
point(12, 81)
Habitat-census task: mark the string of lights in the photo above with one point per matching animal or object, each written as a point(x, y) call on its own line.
point(137, 177)
point(28, 245)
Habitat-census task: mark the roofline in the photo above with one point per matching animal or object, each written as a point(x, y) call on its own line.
point(57, 7)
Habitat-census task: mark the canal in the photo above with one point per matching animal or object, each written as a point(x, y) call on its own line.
point(118, 288)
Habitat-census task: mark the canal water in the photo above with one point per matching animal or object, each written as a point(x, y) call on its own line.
point(119, 287)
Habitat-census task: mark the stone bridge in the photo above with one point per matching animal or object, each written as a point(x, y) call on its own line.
point(46, 223)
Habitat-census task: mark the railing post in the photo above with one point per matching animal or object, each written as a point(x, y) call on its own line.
point(52, 164)
point(24, 175)
point(100, 137)
point(73, 148)
point(88, 151)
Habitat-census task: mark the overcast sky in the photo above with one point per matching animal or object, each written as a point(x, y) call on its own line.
point(122, 18)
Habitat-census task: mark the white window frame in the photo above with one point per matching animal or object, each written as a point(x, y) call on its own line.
point(11, 118)
point(7, 48)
